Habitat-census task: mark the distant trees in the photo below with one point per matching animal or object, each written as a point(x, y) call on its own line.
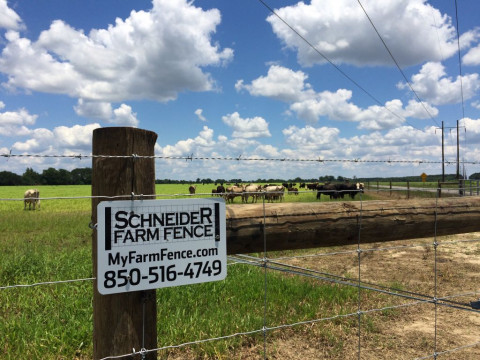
point(49, 176)
point(83, 176)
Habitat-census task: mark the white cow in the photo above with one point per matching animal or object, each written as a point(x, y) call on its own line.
point(253, 191)
point(31, 196)
point(274, 192)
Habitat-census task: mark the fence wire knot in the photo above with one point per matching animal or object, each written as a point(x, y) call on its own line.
point(134, 157)
point(92, 226)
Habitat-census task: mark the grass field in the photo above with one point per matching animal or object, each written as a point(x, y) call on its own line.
point(54, 321)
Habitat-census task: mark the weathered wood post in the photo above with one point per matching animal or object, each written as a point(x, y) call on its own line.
point(127, 321)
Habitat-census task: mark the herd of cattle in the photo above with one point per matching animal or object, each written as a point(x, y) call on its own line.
point(271, 192)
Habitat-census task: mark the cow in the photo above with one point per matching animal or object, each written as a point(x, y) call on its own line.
point(233, 191)
point(253, 191)
point(293, 190)
point(31, 196)
point(192, 189)
point(274, 192)
point(312, 186)
point(339, 190)
point(220, 190)
point(327, 189)
point(349, 189)
point(214, 192)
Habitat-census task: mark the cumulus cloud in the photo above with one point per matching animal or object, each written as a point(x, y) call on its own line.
point(267, 150)
point(150, 55)
point(94, 109)
point(199, 112)
point(310, 137)
point(198, 146)
point(9, 19)
point(247, 128)
point(310, 106)
point(15, 123)
point(59, 140)
point(432, 84)
point(472, 57)
point(122, 116)
point(340, 30)
point(280, 83)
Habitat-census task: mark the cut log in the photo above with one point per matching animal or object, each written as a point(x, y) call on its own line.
point(290, 226)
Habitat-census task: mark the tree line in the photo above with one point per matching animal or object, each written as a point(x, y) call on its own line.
point(50, 176)
point(83, 176)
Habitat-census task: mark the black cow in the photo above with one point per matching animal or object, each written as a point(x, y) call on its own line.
point(220, 190)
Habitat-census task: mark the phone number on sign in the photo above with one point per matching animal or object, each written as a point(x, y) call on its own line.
point(124, 277)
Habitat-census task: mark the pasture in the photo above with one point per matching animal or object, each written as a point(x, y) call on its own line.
point(54, 321)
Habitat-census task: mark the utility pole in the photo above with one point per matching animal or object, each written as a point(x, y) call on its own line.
point(443, 154)
point(443, 150)
point(458, 152)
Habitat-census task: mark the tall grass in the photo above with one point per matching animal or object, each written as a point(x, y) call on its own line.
point(55, 321)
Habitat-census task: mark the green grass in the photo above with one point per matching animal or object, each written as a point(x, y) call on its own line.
point(55, 321)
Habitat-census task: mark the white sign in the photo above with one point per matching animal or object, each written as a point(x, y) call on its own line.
point(149, 244)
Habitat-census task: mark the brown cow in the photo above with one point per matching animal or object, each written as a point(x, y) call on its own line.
point(192, 189)
point(233, 191)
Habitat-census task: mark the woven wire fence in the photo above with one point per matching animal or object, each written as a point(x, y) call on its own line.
point(349, 268)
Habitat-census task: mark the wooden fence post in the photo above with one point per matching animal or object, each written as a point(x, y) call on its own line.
point(127, 321)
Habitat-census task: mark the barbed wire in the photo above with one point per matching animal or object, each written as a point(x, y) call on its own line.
point(239, 158)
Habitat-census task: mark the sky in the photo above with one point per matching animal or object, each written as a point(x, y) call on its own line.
point(352, 88)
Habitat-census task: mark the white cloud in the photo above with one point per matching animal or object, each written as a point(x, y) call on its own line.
point(473, 129)
point(476, 104)
point(267, 150)
point(199, 112)
point(122, 116)
point(247, 128)
point(9, 19)
point(472, 57)
point(432, 85)
point(198, 146)
point(59, 140)
point(150, 55)
point(15, 123)
point(311, 138)
point(94, 109)
point(280, 83)
point(340, 30)
point(310, 106)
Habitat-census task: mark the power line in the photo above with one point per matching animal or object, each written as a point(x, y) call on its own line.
point(396, 63)
point(335, 66)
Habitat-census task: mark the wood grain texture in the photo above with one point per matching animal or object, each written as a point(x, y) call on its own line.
point(118, 319)
point(290, 226)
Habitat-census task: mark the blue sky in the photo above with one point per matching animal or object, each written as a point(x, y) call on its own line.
point(231, 79)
